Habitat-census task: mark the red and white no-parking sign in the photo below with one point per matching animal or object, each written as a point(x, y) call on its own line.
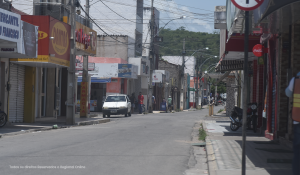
point(247, 5)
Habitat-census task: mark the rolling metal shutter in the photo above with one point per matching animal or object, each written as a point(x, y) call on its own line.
point(16, 94)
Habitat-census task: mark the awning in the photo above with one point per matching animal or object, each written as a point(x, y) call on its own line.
point(96, 80)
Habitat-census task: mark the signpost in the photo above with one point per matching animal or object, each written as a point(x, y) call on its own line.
point(246, 5)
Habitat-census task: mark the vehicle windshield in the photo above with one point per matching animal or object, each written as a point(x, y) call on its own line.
point(115, 99)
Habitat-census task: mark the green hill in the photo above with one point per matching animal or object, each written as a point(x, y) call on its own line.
point(173, 44)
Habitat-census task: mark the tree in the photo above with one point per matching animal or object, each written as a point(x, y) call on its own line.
point(173, 42)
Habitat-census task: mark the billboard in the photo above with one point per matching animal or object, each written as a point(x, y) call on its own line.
point(60, 45)
point(114, 70)
point(124, 70)
point(86, 39)
point(56, 50)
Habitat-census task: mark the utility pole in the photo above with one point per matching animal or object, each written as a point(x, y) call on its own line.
point(245, 91)
point(182, 73)
point(85, 73)
point(197, 81)
point(70, 119)
point(151, 54)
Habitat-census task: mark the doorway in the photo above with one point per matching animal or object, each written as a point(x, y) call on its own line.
point(2, 85)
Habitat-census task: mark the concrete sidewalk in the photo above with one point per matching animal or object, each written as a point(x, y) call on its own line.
point(224, 152)
point(47, 124)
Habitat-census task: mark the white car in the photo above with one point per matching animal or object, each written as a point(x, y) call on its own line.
point(116, 105)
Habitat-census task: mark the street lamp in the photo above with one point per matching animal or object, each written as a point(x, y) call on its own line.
point(206, 60)
point(210, 67)
point(200, 49)
point(181, 17)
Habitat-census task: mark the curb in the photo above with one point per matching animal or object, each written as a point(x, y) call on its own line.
point(83, 123)
point(210, 154)
point(92, 122)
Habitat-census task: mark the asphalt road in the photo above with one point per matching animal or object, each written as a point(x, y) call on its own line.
point(152, 144)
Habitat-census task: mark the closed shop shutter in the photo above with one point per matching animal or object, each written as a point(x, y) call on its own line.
point(16, 94)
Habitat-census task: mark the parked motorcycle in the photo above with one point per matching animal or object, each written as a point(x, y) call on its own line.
point(3, 117)
point(237, 117)
point(220, 102)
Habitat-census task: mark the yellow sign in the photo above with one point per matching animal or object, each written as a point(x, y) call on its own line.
point(44, 58)
point(61, 39)
point(42, 35)
point(83, 100)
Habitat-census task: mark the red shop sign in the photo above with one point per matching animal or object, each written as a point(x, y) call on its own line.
point(258, 50)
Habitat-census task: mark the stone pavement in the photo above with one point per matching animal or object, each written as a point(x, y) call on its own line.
point(224, 151)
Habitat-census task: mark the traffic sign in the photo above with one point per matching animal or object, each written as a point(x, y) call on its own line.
point(247, 5)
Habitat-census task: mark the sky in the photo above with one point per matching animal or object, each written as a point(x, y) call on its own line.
point(199, 13)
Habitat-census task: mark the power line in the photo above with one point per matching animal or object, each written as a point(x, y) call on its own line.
point(101, 28)
point(116, 12)
point(110, 20)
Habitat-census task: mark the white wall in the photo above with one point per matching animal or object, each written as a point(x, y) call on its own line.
point(189, 63)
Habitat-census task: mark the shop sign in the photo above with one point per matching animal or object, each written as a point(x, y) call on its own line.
point(60, 45)
point(93, 105)
point(7, 49)
point(260, 61)
point(166, 73)
point(105, 70)
point(86, 39)
point(157, 77)
point(10, 26)
point(58, 48)
point(13, 29)
point(259, 50)
point(125, 70)
point(79, 66)
point(83, 99)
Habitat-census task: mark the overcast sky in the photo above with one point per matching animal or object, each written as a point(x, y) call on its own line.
point(199, 13)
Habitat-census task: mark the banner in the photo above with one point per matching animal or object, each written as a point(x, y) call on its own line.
point(124, 70)
point(29, 39)
point(86, 39)
point(83, 100)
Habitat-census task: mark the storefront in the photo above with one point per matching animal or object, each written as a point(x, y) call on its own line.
point(141, 84)
point(18, 39)
point(44, 87)
point(106, 79)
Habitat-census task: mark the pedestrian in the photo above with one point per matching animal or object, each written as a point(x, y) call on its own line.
point(170, 103)
point(293, 91)
point(132, 100)
point(153, 102)
point(141, 102)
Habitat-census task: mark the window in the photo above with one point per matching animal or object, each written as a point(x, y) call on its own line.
point(115, 99)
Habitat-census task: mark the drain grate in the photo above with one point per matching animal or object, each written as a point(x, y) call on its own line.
point(279, 160)
point(275, 150)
